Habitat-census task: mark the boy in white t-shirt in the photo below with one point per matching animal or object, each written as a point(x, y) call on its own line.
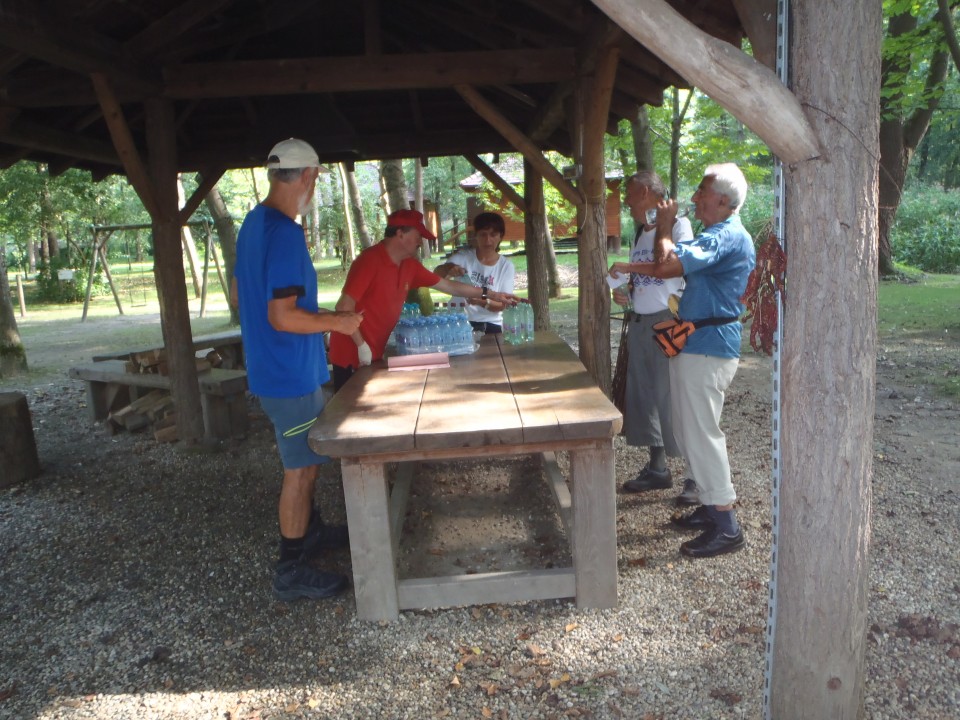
point(482, 265)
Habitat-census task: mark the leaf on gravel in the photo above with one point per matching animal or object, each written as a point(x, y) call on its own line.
point(477, 613)
point(455, 682)
point(570, 627)
point(490, 689)
point(605, 674)
point(435, 551)
point(7, 693)
point(476, 650)
point(291, 708)
point(730, 698)
point(618, 637)
point(533, 650)
point(486, 712)
point(637, 562)
point(750, 629)
point(557, 682)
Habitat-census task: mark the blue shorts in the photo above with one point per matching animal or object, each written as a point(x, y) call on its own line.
point(292, 419)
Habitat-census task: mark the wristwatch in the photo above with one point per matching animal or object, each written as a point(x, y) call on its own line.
point(483, 293)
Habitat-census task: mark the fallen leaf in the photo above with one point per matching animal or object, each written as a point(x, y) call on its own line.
point(638, 562)
point(618, 637)
point(477, 613)
point(455, 682)
point(476, 650)
point(571, 627)
point(486, 712)
point(730, 698)
point(291, 708)
point(535, 650)
point(435, 551)
point(313, 704)
point(72, 702)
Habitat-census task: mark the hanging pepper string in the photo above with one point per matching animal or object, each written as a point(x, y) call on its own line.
point(760, 297)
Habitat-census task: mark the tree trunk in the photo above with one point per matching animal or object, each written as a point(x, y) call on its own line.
point(418, 202)
point(49, 242)
point(642, 143)
point(900, 134)
point(189, 246)
point(394, 185)
point(536, 242)
point(168, 268)
point(13, 357)
point(347, 213)
point(356, 206)
point(676, 134)
point(227, 234)
point(828, 390)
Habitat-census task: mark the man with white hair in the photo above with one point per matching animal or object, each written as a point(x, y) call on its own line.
point(716, 265)
point(275, 285)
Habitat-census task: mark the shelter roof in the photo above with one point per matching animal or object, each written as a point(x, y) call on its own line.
point(359, 80)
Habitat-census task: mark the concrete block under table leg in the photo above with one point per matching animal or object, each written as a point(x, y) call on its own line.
point(593, 481)
point(371, 546)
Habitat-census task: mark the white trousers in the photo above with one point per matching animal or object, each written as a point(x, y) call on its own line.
point(697, 387)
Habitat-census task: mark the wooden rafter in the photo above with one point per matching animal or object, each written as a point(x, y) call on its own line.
point(173, 25)
point(595, 122)
point(48, 139)
point(207, 181)
point(485, 109)
point(759, 20)
point(123, 141)
point(505, 188)
point(361, 73)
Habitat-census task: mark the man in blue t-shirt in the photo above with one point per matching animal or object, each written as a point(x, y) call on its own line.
point(275, 285)
point(716, 265)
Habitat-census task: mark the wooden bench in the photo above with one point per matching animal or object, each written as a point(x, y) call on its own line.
point(222, 394)
point(228, 344)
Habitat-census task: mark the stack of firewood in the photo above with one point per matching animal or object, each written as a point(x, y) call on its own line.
point(155, 362)
point(154, 410)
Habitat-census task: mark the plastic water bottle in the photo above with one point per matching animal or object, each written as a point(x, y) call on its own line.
point(510, 333)
point(526, 322)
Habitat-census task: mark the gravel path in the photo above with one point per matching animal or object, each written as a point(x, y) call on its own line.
point(135, 584)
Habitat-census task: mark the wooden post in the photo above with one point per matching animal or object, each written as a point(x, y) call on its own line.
point(594, 307)
point(106, 271)
point(216, 261)
point(206, 269)
point(95, 254)
point(23, 305)
point(536, 241)
point(168, 268)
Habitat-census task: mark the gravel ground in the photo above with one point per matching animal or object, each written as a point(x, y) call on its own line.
point(135, 584)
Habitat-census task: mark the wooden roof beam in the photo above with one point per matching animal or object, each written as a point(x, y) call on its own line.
point(637, 85)
point(505, 188)
point(123, 141)
point(748, 90)
point(206, 181)
point(759, 20)
point(520, 142)
point(173, 25)
point(82, 51)
point(50, 140)
point(361, 73)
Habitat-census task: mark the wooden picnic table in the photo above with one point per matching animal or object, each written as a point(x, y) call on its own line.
point(501, 400)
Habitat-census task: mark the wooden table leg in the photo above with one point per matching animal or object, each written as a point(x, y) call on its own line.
point(371, 549)
point(594, 525)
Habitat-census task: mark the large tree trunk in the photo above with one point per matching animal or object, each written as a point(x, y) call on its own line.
point(676, 134)
point(642, 143)
point(227, 234)
point(536, 241)
point(347, 214)
point(13, 358)
point(356, 206)
point(900, 134)
point(394, 185)
point(168, 268)
point(418, 202)
point(828, 388)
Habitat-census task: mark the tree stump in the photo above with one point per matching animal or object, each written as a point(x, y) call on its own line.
point(18, 449)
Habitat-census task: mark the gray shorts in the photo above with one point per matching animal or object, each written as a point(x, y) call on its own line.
point(292, 419)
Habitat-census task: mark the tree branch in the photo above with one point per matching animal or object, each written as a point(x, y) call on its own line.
point(951, 35)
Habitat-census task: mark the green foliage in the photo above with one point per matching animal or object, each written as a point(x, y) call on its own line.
point(53, 290)
point(926, 234)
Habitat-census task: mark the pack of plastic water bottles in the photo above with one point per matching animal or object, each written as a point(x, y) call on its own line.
point(518, 323)
point(447, 330)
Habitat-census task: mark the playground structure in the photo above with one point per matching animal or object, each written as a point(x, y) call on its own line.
point(100, 237)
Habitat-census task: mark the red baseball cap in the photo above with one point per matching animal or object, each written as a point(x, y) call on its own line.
point(410, 218)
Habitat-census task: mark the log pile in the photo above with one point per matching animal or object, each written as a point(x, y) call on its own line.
point(154, 410)
point(155, 362)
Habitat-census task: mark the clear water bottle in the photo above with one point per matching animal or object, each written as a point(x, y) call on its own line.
point(436, 334)
point(526, 322)
point(510, 329)
point(415, 338)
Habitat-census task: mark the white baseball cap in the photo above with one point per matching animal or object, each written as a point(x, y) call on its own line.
point(292, 153)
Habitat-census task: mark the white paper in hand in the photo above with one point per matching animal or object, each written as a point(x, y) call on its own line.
point(617, 280)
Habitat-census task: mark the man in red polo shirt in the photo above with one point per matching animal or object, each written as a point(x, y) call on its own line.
point(377, 286)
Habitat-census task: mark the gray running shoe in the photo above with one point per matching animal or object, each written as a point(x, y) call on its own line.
point(690, 494)
point(295, 579)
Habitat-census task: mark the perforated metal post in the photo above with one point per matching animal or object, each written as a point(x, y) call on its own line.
point(783, 11)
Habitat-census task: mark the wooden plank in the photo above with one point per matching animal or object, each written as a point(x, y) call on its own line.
point(556, 397)
point(594, 541)
point(112, 371)
point(469, 404)
point(505, 188)
point(228, 338)
point(457, 453)
point(482, 588)
point(561, 491)
point(398, 501)
point(376, 411)
point(371, 548)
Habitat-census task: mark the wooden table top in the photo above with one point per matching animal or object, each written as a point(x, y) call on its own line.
point(501, 395)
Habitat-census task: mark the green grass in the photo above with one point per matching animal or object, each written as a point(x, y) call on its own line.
point(930, 304)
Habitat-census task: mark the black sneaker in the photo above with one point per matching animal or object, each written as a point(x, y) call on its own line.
point(295, 579)
point(690, 495)
point(321, 536)
point(649, 480)
point(699, 519)
point(712, 543)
